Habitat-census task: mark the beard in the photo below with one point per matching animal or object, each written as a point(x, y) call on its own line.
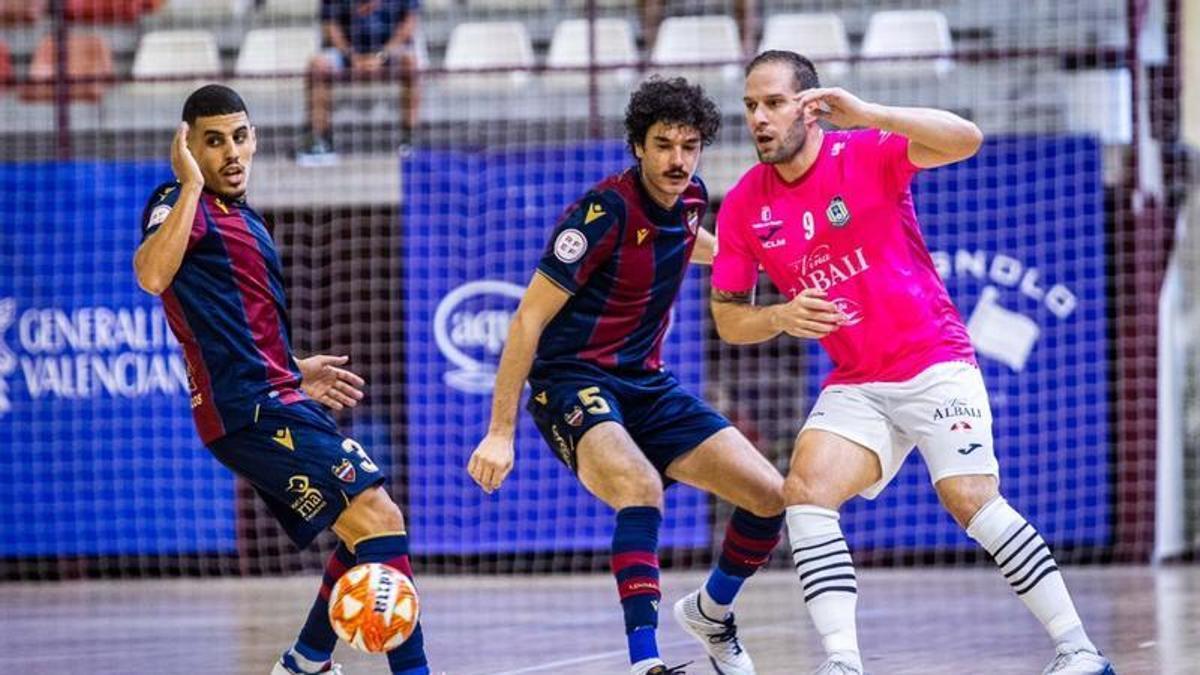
point(790, 146)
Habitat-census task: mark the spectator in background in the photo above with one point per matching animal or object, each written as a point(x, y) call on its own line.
point(365, 37)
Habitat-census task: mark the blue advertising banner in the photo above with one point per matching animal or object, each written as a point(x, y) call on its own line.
point(1018, 235)
point(98, 455)
point(475, 224)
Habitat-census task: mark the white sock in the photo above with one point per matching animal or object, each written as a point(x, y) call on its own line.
point(1028, 566)
point(643, 666)
point(827, 577)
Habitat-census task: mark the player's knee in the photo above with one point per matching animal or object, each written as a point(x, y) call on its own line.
point(768, 502)
point(644, 490)
point(801, 488)
point(372, 512)
point(963, 496)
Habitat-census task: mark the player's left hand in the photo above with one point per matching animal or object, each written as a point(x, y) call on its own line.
point(838, 106)
point(329, 385)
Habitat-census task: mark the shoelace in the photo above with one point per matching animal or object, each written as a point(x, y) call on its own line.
point(729, 634)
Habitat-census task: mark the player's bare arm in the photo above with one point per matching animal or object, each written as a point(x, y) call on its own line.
point(702, 252)
point(327, 383)
point(158, 258)
point(740, 321)
point(493, 457)
point(935, 137)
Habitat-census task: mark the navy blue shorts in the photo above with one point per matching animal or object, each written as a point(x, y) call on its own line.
point(665, 420)
point(303, 468)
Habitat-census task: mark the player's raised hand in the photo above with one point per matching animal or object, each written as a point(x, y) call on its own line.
point(837, 106)
point(329, 385)
point(491, 462)
point(808, 315)
point(185, 166)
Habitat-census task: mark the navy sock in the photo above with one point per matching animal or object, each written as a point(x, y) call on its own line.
point(749, 541)
point(392, 549)
point(317, 639)
point(635, 566)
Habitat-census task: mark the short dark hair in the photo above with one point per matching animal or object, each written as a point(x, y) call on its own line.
point(672, 101)
point(804, 74)
point(211, 100)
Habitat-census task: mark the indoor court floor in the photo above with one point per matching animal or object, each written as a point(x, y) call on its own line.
point(930, 620)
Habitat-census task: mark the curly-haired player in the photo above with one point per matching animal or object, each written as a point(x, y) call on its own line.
point(588, 335)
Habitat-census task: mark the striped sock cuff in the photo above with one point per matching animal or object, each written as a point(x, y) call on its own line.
point(820, 553)
point(1014, 544)
point(749, 541)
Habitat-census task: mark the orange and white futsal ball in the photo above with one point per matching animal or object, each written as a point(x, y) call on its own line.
point(374, 607)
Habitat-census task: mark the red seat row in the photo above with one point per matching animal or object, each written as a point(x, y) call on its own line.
point(88, 56)
point(85, 11)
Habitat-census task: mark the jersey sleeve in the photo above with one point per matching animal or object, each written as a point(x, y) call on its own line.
point(158, 207)
point(735, 266)
point(896, 169)
point(583, 241)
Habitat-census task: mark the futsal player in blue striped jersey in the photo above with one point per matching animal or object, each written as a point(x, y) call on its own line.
point(588, 335)
point(259, 409)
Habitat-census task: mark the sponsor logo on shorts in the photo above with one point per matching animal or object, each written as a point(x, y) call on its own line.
point(575, 417)
point(310, 501)
point(957, 408)
point(284, 437)
point(344, 471)
point(563, 447)
point(970, 448)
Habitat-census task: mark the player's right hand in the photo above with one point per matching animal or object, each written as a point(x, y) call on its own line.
point(491, 462)
point(186, 169)
point(808, 315)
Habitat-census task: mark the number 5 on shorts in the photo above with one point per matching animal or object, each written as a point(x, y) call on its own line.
point(593, 402)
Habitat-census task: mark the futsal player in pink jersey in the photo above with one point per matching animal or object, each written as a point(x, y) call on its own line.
point(829, 216)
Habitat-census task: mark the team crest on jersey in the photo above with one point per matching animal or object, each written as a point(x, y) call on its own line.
point(159, 215)
point(837, 213)
point(575, 417)
point(960, 426)
point(345, 471)
point(693, 221)
point(570, 245)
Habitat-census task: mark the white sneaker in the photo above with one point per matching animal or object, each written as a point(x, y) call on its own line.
point(719, 638)
point(1079, 662)
point(838, 665)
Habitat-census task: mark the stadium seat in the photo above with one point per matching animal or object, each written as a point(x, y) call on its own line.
point(21, 11)
point(510, 6)
point(176, 52)
point(690, 40)
point(569, 49)
point(289, 10)
point(907, 32)
point(267, 51)
point(489, 44)
point(107, 11)
point(191, 9)
point(820, 37)
point(87, 56)
point(1099, 103)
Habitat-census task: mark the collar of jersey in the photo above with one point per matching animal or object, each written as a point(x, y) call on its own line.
point(657, 214)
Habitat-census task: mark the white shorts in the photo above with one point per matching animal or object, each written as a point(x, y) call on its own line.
point(944, 411)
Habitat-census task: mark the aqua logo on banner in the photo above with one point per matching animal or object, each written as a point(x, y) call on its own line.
point(469, 327)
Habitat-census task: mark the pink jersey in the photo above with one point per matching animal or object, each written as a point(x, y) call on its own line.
point(847, 226)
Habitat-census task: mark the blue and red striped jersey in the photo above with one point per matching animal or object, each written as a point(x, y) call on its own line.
point(226, 306)
point(622, 257)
